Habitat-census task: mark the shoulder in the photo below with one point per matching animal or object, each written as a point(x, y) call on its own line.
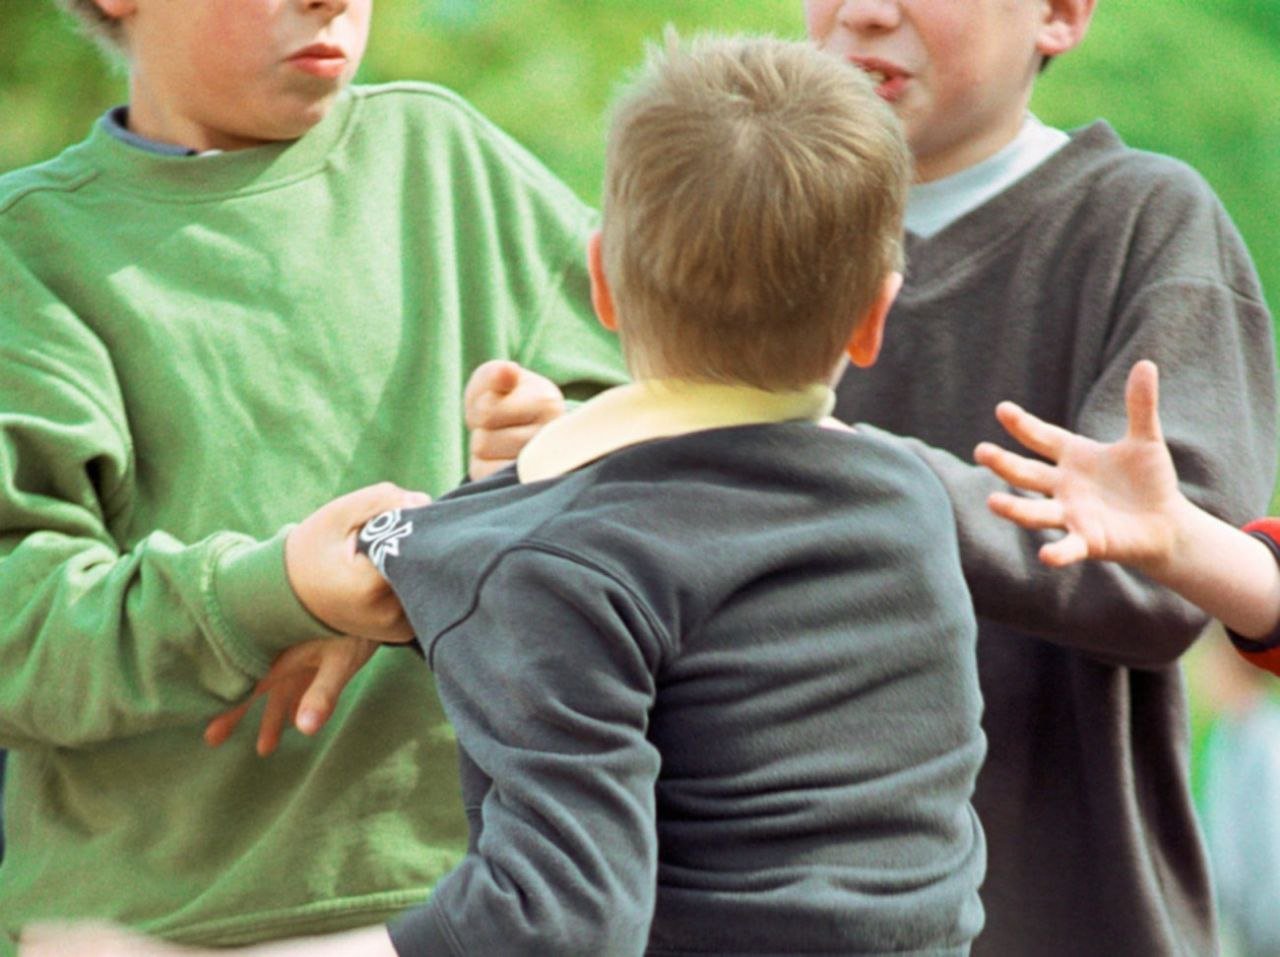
point(710, 506)
point(414, 100)
point(1151, 216)
point(441, 114)
point(885, 461)
point(432, 127)
point(62, 175)
point(1121, 178)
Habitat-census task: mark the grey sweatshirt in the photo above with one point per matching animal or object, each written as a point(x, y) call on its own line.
point(1047, 295)
point(714, 694)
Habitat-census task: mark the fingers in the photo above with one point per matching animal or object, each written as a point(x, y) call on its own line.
point(532, 400)
point(278, 711)
point(1142, 402)
point(1033, 432)
point(501, 445)
point(479, 468)
point(356, 508)
point(1038, 514)
point(1033, 513)
point(317, 704)
point(1017, 470)
point(217, 731)
point(498, 376)
point(1068, 550)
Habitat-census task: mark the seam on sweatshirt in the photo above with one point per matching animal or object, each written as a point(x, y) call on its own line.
point(547, 549)
point(71, 185)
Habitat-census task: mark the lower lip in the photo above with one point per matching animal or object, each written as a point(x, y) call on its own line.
point(328, 68)
point(891, 90)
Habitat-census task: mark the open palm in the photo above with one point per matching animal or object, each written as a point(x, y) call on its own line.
point(1114, 500)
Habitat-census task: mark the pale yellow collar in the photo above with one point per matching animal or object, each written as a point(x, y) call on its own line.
point(656, 409)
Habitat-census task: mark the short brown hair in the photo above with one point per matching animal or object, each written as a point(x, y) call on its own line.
point(106, 31)
point(753, 202)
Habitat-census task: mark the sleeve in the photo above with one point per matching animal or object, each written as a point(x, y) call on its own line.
point(99, 641)
point(1210, 333)
point(567, 344)
point(548, 683)
point(545, 253)
point(1262, 652)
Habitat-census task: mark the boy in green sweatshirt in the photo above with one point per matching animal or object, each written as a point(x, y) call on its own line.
point(248, 293)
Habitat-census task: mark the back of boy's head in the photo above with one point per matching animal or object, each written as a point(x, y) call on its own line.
point(753, 203)
point(104, 29)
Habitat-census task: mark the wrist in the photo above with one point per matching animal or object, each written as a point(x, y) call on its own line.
point(1183, 533)
point(257, 607)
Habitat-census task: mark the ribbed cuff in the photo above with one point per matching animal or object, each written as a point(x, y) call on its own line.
point(422, 932)
point(260, 614)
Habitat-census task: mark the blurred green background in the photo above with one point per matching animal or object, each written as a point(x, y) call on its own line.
point(1198, 79)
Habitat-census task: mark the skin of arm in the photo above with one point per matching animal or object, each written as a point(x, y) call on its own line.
point(1120, 502)
point(105, 940)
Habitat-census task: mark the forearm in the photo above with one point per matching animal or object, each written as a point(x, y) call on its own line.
point(1226, 572)
point(96, 644)
point(365, 942)
point(1100, 609)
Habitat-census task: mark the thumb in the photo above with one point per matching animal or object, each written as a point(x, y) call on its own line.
point(1142, 401)
point(321, 696)
point(356, 508)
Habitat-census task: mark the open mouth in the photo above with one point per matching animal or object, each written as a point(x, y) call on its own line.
point(889, 80)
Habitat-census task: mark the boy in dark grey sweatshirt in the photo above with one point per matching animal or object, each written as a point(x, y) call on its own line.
point(1041, 266)
point(708, 653)
point(709, 660)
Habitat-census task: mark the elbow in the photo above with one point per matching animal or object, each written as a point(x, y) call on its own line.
point(583, 921)
point(612, 924)
point(1150, 635)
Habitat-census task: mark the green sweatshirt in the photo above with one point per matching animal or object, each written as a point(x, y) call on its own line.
point(195, 352)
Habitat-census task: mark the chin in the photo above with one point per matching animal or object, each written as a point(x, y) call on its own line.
point(295, 122)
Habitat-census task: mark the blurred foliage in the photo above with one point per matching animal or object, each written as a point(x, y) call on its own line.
point(1198, 79)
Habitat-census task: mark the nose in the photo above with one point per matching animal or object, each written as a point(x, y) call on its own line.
point(869, 14)
point(329, 7)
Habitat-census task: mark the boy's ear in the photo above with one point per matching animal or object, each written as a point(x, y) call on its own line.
point(116, 9)
point(1064, 26)
point(864, 344)
point(601, 294)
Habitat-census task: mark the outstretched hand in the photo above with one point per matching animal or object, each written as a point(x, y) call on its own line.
point(506, 404)
point(1114, 500)
point(302, 686)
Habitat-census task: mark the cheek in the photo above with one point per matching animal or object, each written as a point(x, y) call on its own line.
point(820, 18)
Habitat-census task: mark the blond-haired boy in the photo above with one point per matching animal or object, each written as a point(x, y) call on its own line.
point(248, 292)
point(709, 659)
point(1041, 265)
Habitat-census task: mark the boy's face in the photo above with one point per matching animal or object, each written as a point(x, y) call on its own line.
point(957, 72)
point(227, 74)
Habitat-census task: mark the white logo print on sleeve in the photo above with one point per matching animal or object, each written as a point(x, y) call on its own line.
point(382, 534)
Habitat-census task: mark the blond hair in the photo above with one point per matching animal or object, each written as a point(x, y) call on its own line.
point(752, 209)
point(106, 31)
